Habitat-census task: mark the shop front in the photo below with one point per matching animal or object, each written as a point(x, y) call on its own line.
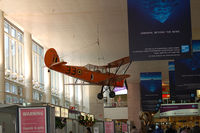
point(180, 115)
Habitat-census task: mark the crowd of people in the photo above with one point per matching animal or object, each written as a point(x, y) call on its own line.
point(169, 129)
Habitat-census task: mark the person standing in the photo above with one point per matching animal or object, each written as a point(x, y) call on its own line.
point(158, 129)
point(134, 129)
point(171, 129)
point(89, 130)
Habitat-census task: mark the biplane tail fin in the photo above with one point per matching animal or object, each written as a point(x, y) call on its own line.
point(51, 57)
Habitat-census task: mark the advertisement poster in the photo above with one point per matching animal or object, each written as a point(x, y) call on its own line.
point(159, 29)
point(188, 71)
point(195, 46)
point(124, 127)
point(184, 80)
point(187, 74)
point(109, 127)
point(32, 120)
point(151, 90)
point(176, 92)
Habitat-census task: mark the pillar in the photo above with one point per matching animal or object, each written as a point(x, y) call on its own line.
point(96, 106)
point(2, 61)
point(28, 67)
point(134, 104)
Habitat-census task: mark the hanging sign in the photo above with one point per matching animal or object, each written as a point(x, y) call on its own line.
point(151, 91)
point(159, 29)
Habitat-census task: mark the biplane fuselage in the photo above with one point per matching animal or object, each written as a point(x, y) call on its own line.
point(98, 75)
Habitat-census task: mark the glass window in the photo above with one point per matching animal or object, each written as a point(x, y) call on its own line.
point(7, 88)
point(6, 27)
point(76, 92)
point(55, 100)
point(67, 104)
point(38, 66)
point(14, 89)
point(40, 97)
point(67, 88)
point(13, 32)
point(20, 37)
point(37, 95)
point(14, 92)
point(54, 82)
point(8, 99)
point(20, 90)
point(21, 100)
point(15, 100)
point(14, 55)
point(13, 49)
point(7, 52)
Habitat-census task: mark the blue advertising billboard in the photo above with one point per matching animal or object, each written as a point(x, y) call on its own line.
point(151, 90)
point(159, 29)
point(188, 70)
point(171, 67)
point(187, 74)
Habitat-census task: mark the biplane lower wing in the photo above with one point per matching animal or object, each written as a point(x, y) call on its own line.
point(117, 81)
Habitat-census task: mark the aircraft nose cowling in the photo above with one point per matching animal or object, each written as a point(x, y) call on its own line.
point(51, 57)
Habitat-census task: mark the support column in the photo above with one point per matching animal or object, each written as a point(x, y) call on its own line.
point(47, 84)
point(28, 67)
point(134, 104)
point(2, 61)
point(96, 106)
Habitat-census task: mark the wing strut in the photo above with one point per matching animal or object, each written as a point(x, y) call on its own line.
point(119, 67)
point(127, 67)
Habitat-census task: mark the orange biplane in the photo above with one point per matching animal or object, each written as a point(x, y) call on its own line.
point(94, 75)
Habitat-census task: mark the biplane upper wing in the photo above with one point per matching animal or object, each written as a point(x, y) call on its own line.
point(91, 66)
point(119, 62)
point(113, 64)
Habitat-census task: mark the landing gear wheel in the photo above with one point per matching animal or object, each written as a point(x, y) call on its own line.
point(100, 96)
point(112, 94)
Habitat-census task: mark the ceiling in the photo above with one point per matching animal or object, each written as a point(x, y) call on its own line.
point(85, 31)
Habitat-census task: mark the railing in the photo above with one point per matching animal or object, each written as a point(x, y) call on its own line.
point(115, 104)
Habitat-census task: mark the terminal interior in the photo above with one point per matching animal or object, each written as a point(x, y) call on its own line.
point(82, 32)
